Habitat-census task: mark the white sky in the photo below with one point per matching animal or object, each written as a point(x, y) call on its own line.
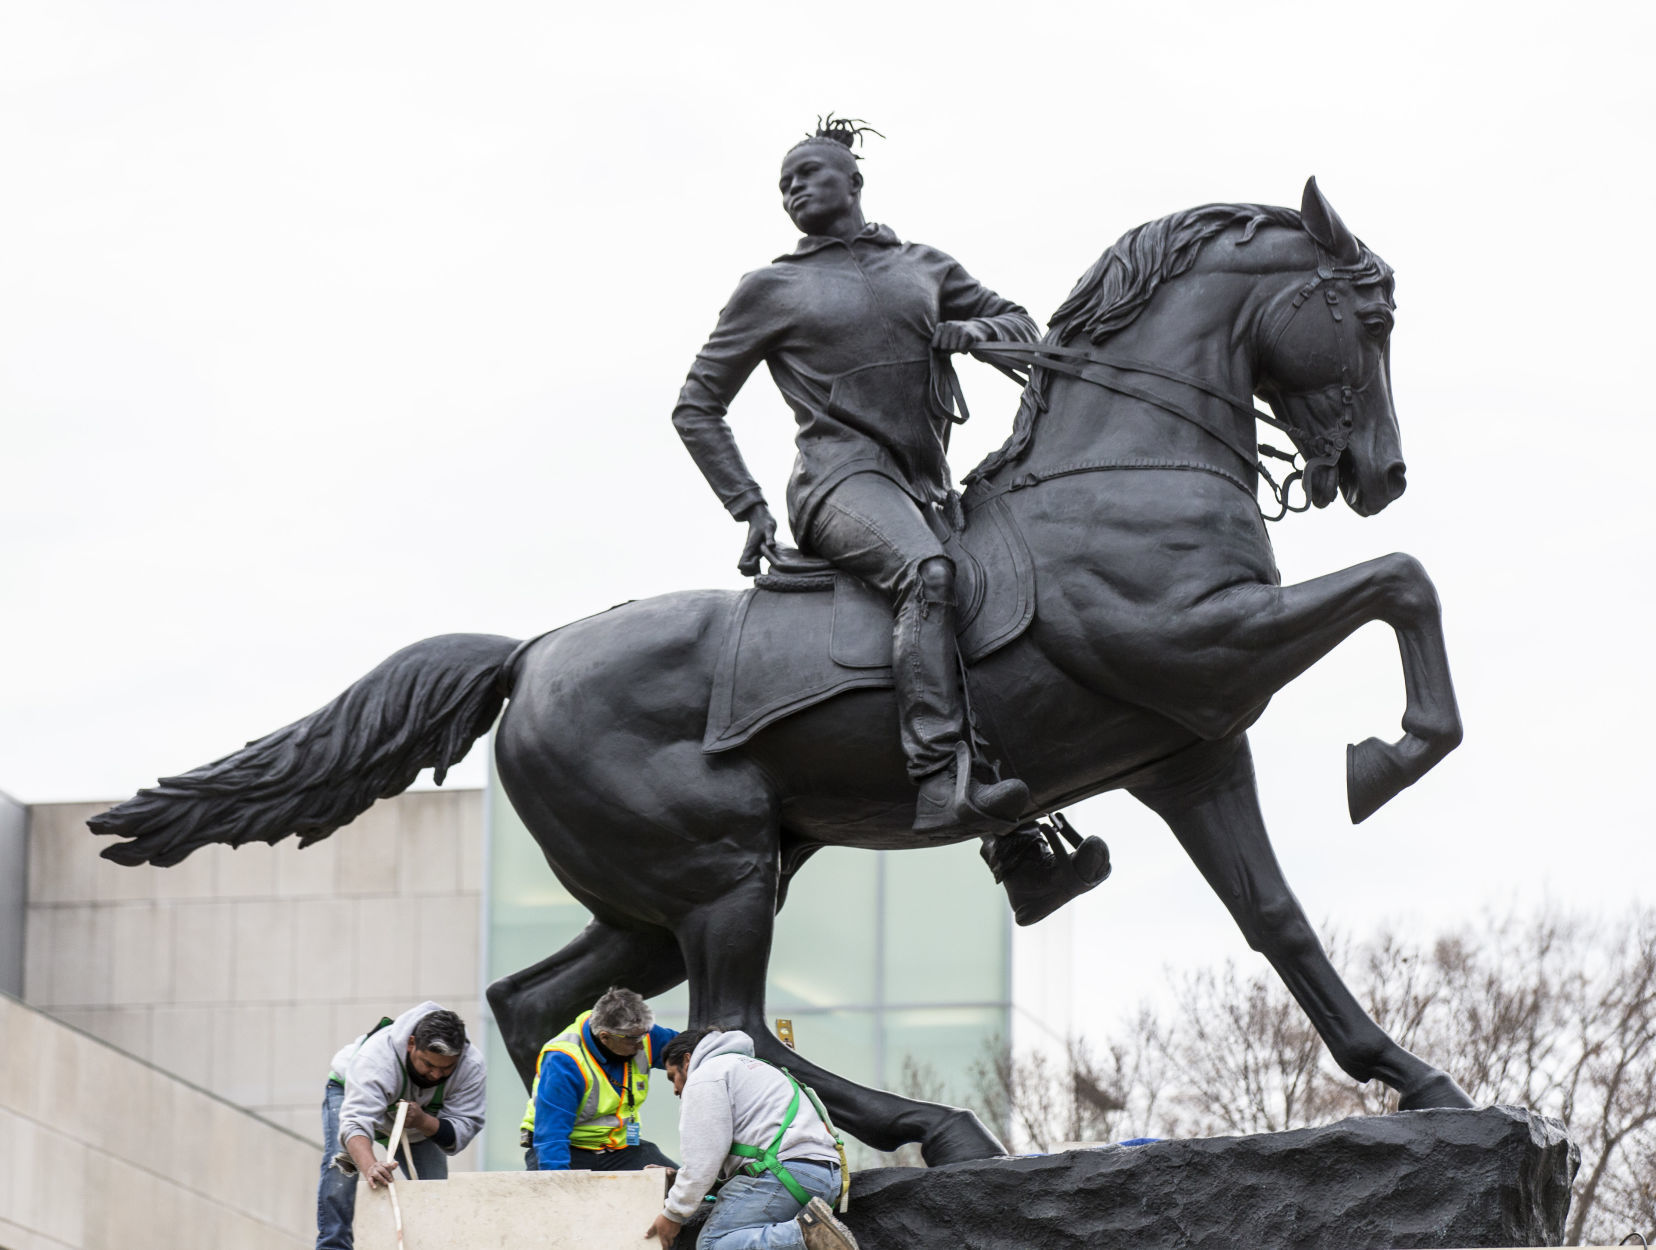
point(325, 327)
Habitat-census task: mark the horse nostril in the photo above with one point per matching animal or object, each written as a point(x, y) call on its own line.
point(1396, 480)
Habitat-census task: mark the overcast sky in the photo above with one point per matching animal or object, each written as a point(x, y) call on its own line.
point(325, 327)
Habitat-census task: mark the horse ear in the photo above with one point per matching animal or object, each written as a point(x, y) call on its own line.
point(1323, 224)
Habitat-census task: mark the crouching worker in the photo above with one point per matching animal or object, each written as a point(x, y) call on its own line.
point(422, 1058)
point(765, 1136)
point(590, 1081)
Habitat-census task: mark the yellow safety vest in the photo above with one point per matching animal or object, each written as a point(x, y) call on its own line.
point(601, 1119)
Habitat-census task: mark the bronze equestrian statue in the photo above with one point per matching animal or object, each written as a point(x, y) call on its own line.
point(680, 758)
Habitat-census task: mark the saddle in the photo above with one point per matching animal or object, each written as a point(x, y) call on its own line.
point(799, 638)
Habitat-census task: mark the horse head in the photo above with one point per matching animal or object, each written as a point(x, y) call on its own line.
point(1324, 366)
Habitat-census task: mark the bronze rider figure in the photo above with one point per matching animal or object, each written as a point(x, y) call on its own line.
point(849, 323)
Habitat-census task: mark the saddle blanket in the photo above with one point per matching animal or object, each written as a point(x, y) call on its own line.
point(785, 651)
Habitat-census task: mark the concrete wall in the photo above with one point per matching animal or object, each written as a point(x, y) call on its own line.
point(13, 892)
point(99, 1151)
point(243, 970)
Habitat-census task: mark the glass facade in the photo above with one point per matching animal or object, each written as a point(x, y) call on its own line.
point(921, 969)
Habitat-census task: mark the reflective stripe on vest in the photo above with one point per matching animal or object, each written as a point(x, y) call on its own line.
point(601, 1119)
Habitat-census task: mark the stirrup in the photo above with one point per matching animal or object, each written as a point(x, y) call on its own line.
point(972, 806)
point(1039, 872)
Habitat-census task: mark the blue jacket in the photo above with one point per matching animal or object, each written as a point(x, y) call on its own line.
point(560, 1089)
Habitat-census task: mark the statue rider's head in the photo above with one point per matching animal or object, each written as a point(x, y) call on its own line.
point(821, 185)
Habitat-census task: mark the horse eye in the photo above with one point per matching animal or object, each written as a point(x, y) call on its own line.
point(1378, 327)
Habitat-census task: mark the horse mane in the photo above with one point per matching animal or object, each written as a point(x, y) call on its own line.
point(1122, 282)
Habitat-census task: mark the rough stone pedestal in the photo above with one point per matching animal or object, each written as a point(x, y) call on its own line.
point(1496, 1177)
point(514, 1211)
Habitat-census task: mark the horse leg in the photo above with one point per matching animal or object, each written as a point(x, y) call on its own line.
point(726, 944)
point(1209, 799)
point(1242, 645)
point(537, 1003)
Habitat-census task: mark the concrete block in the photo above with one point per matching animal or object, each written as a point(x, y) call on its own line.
point(80, 965)
point(10, 1127)
point(472, 841)
point(509, 1210)
point(196, 877)
point(243, 1036)
point(446, 950)
point(129, 1206)
point(117, 883)
point(324, 947)
point(303, 1121)
point(353, 1019)
point(88, 1085)
point(141, 953)
point(125, 1028)
point(293, 1180)
point(26, 1036)
point(49, 1187)
point(216, 1165)
point(367, 853)
point(203, 940)
point(383, 964)
point(181, 1041)
point(307, 872)
point(63, 853)
point(428, 845)
point(243, 872)
point(299, 1064)
point(40, 955)
point(261, 958)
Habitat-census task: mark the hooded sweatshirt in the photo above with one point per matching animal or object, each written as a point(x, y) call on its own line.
point(377, 1077)
point(732, 1097)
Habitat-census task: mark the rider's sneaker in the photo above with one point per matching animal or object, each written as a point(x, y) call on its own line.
point(953, 801)
point(822, 1231)
point(1039, 880)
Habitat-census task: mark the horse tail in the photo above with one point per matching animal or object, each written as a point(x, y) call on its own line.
point(422, 708)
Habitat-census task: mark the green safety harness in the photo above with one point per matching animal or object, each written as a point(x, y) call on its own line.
point(762, 1161)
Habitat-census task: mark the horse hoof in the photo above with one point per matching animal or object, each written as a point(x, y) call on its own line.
point(1374, 776)
point(958, 1137)
point(1438, 1090)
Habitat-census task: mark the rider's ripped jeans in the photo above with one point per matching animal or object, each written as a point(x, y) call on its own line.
point(868, 526)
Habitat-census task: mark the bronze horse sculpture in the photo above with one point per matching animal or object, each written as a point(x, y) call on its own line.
point(1160, 632)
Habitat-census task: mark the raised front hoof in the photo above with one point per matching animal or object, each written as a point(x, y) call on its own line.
point(959, 1137)
point(1376, 772)
point(1438, 1090)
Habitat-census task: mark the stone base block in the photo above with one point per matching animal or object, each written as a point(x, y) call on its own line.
point(1496, 1177)
point(513, 1211)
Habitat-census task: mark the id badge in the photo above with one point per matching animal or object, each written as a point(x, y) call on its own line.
point(634, 1134)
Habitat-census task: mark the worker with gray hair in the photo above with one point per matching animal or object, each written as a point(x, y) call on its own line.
point(422, 1058)
point(590, 1081)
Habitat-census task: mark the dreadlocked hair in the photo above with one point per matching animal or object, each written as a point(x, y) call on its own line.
point(844, 132)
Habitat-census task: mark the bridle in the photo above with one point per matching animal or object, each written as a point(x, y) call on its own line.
point(1117, 374)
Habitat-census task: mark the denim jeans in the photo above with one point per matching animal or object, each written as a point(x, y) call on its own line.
point(336, 1190)
point(757, 1213)
point(627, 1159)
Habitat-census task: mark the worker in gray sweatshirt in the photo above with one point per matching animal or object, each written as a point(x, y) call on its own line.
point(421, 1057)
point(760, 1136)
